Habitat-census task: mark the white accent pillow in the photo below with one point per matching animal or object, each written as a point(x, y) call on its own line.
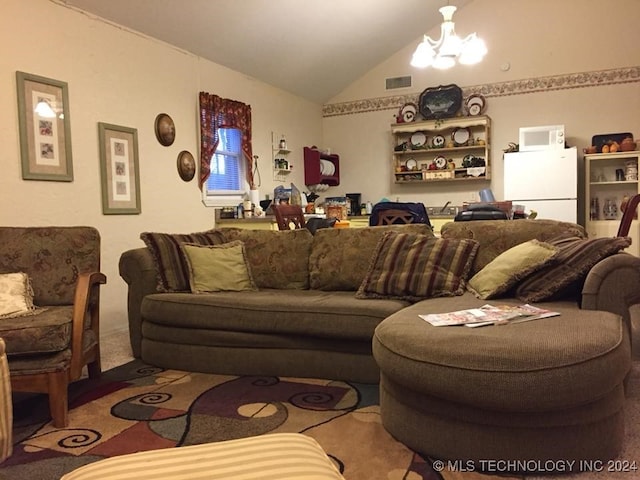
point(16, 295)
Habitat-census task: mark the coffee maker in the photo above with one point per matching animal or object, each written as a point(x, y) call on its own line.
point(353, 204)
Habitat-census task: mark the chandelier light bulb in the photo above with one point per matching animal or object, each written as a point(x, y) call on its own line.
point(442, 54)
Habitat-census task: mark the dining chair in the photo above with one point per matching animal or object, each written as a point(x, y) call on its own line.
point(628, 215)
point(289, 217)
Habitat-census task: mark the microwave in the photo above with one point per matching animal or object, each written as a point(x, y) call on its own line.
point(545, 137)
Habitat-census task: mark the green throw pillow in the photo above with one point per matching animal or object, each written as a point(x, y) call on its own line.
point(413, 267)
point(172, 272)
point(576, 257)
point(218, 268)
point(511, 266)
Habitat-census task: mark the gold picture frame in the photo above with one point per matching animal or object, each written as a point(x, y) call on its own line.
point(119, 170)
point(45, 128)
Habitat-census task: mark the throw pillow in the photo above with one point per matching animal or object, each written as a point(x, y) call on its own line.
point(16, 295)
point(412, 267)
point(278, 258)
point(218, 268)
point(575, 258)
point(511, 266)
point(172, 272)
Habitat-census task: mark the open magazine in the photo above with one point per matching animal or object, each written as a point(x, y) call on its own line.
point(488, 315)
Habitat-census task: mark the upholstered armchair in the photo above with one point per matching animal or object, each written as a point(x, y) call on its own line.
point(54, 331)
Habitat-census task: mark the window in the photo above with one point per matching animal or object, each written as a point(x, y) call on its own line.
point(226, 184)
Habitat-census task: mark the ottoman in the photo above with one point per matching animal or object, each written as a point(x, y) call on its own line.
point(277, 455)
point(526, 393)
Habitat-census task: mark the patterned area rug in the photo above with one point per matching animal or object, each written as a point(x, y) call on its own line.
point(137, 407)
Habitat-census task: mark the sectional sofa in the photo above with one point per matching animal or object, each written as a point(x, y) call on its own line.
point(343, 304)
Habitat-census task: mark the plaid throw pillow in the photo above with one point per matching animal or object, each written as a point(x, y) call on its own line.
point(575, 258)
point(414, 267)
point(172, 268)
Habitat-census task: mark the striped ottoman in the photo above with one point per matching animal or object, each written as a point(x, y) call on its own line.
point(274, 456)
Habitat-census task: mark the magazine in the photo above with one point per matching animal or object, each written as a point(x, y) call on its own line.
point(488, 315)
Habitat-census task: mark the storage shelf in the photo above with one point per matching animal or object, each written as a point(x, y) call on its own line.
point(479, 129)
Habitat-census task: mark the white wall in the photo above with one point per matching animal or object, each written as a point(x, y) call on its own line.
point(120, 77)
point(538, 39)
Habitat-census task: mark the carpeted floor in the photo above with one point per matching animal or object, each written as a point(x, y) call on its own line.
point(137, 407)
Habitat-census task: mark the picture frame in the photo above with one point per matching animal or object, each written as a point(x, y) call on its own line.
point(119, 170)
point(45, 128)
point(165, 129)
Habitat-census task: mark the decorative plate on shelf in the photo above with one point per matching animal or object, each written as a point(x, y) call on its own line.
point(443, 101)
point(438, 141)
point(461, 136)
point(408, 112)
point(418, 140)
point(475, 104)
point(411, 164)
point(440, 162)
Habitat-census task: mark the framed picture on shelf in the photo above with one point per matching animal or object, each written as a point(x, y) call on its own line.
point(119, 170)
point(45, 132)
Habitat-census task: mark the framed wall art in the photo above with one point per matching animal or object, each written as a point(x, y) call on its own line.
point(119, 170)
point(165, 129)
point(45, 128)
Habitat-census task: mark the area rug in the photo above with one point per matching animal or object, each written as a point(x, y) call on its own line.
point(137, 407)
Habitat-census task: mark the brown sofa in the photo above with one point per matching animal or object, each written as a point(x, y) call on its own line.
point(453, 392)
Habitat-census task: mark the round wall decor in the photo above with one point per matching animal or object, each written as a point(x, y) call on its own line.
point(186, 166)
point(165, 129)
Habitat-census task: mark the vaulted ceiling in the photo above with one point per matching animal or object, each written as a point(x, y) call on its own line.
point(312, 48)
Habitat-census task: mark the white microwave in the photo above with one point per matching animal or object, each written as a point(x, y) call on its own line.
point(545, 137)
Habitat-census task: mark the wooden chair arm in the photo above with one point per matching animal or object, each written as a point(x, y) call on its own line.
point(86, 315)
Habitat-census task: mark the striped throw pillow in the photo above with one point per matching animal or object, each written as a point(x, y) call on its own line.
point(172, 268)
point(413, 267)
point(575, 258)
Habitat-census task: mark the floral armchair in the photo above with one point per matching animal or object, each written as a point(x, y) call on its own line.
point(56, 332)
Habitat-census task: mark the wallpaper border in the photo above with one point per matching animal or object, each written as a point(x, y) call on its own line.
point(516, 87)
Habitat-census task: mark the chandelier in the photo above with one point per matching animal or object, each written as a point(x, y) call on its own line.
point(443, 53)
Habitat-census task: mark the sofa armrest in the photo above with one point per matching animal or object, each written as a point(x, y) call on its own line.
point(139, 271)
point(612, 285)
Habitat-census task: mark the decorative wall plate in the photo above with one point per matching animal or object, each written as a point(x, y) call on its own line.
point(418, 140)
point(186, 166)
point(440, 102)
point(441, 162)
point(165, 129)
point(411, 164)
point(461, 136)
point(408, 112)
point(475, 104)
point(438, 141)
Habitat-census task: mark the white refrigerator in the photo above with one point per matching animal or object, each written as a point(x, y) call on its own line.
point(545, 181)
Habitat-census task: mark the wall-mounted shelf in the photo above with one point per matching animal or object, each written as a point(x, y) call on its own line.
point(313, 171)
point(281, 163)
point(460, 146)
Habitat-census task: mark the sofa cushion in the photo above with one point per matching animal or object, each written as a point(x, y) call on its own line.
point(511, 266)
point(575, 258)
point(51, 328)
point(497, 236)
point(310, 313)
point(340, 257)
point(216, 268)
point(172, 270)
point(278, 258)
point(413, 266)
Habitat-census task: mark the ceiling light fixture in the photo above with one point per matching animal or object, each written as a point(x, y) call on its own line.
point(443, 53)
